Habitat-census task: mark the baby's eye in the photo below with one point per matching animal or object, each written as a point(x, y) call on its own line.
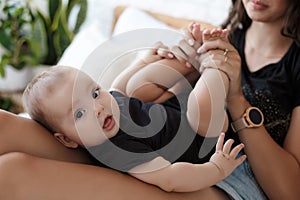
point(79, 114)
point(96, 93)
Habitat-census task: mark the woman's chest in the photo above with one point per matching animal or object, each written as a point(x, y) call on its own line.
point(256, 60)
point(270, 90)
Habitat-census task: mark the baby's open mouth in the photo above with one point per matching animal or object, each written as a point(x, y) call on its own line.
point(109, 123)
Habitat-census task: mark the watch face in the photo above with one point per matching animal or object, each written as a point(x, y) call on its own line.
point(255, 116)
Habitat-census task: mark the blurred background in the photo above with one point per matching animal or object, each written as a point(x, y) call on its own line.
point(36, 34)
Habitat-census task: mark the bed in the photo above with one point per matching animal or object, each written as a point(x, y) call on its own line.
point(81, 53)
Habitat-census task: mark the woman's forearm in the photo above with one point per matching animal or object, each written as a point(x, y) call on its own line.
point(275, 168)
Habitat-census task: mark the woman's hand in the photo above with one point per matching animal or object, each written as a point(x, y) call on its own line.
point(217, 52)
point(186, 50)
point(158, 52)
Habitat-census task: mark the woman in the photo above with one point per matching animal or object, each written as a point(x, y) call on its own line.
point(275, 162)
point(267, 36)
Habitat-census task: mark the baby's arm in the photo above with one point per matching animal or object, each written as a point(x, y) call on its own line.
point(160, 80)
point(187, 177)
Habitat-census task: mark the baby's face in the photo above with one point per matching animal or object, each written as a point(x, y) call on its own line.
point(88, 115)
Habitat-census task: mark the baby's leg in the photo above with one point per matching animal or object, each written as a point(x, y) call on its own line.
point(206, 106)
point(152, 82)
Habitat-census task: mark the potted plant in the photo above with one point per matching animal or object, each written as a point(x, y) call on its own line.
point(19, 44)
point(5, 103)
point(30, 37)
point(60, 26)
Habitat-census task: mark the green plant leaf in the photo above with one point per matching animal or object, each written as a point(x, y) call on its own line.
point(62, 38)
point(56, 17)
point(31, 36)
point(81, 15)
point(2, 70)
point(5, 103)
point(71, 4)
point(38, 40)
point(6, 40)
point(54, 6)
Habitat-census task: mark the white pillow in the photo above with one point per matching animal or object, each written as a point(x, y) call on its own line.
point(83, 44)
point(132, 18)
point(89, 51)
point(134, 29)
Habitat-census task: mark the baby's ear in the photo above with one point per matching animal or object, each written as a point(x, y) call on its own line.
point(65, 140)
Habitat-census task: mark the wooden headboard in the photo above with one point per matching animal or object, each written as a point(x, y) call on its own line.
point(174, 22)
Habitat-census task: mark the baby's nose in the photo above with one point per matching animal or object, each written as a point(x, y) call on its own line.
point(98, 109)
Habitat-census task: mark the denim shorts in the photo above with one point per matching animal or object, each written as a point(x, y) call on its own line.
point(241, 184)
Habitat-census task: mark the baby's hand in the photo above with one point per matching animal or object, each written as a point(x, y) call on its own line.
point(224, 158)
point(158, 52)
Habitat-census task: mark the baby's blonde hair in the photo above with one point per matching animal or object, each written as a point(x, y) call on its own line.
point(40, 87)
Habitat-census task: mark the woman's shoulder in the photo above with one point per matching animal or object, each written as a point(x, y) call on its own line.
point(293, 58)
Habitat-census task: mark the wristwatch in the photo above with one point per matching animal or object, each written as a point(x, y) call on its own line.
point(252, 118)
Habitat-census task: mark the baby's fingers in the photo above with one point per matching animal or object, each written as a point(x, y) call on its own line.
point(227, 146)
point(240, 160)
point(236, 150)
point(220, 142)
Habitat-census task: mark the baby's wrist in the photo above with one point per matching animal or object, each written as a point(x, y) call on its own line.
point(220, 169)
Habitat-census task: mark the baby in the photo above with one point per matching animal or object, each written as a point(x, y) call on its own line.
point(154, 140)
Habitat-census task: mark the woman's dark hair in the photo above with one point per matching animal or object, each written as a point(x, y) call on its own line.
point(290, 27)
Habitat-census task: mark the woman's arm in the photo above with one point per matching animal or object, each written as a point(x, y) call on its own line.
point(281, 180)
point(31, 178)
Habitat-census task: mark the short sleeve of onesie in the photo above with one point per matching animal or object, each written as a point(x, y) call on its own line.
point(141, 127)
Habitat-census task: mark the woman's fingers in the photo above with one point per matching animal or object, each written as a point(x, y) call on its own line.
point(187, 49)
point(153, 50)
point(214, 59)
point(179, 54)
point(186, 54)
point(165, 53)
point(188, 36)
point(161, 50)
point(215, 44)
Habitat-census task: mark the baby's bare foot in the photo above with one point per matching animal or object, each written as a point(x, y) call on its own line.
point(197, 33)
point(215, 34)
